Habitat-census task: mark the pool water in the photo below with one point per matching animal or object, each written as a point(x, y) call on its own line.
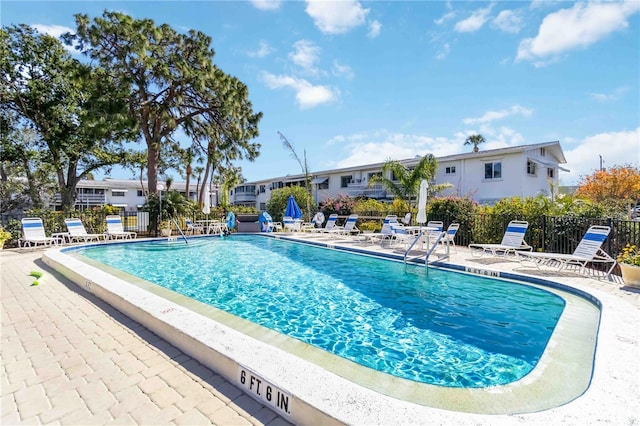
point(437, 327)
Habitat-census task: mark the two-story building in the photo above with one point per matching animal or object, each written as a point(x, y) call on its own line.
point(129, 195)
point(484, 176)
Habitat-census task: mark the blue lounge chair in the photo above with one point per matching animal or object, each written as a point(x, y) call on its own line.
point(589, 250)
point(78, 233)
point(33, 233)
point(512, 241)
point(115, 229)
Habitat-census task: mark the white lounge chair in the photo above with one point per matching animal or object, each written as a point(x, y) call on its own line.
point(33, 233)
point(331, 223)
point(78, 233)
point(349, 227)
point(386, 233)
point(512, 241)
point(589, 250)
point(406, 220)
point(115, 229)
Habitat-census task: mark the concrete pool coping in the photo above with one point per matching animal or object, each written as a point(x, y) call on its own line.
point(355, 404)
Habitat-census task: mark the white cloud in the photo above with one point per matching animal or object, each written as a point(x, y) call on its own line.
point(444, 52)
point(307, 95)
point(374, 29)
point(474, 22)
point(336, 17)
point(263, 50)
point(266, 4)
point(56, 31)
point(447, 16)
point(382, 145)
point(617, 149)
point(490, 116)
point(577, 27)
point(508, 21)
point(305, 54)
point(342, 70)
point(607, 97)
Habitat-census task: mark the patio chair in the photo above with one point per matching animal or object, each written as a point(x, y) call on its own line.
point(291, 224)
point(512, 241)
point(589, 250)
point(349, 227)
point(331, 223)
point(115, 229)
point(449, 238)
point(33, 233)
point(193, 228)
point(386, 233)
point(78, 233)
point(407, 219)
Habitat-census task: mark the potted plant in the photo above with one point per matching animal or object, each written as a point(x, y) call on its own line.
point(4, 236)
point(629, 261)
point(165, 228)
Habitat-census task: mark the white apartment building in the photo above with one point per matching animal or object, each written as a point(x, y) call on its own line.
point(484, 176)
point(129, 195)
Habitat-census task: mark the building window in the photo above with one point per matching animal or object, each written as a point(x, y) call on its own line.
point(493, 170)
point(542, 152)
point(451, 170)
point(531, 168)
point(140, 193)
point(263, 206)
point(344, 181)
point(324, 185)
point(116, 193)
point(550, 173)
point(262, 189)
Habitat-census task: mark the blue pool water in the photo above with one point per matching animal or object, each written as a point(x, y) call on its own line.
point(441, 327)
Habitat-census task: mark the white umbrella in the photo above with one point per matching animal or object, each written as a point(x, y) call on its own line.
point(422, 202)
point(206, 208)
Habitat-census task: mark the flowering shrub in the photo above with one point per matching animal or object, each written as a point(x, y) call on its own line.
point(630, 255)
point(342, 204)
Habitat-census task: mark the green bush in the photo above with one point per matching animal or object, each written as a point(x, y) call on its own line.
point(370, 207)
point(277, 204)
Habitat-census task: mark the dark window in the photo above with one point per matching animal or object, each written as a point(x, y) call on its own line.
point(550, 173)
point(531, 168)
point(344, 181)
point(262, 189)
point(493, 170)
point(140, 193)
point(451, 170)
point(324, 185)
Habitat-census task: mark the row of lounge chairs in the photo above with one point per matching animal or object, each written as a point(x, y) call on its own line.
point(513, 245)
point(33, 232)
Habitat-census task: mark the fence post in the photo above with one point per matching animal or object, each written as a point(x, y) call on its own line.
point(544, 232)
point(612, 235)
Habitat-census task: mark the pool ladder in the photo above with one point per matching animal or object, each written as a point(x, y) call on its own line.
point(431, 249)
point(180, 231)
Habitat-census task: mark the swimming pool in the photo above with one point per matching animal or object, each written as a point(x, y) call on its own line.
point(313, 378)
point(437, 327)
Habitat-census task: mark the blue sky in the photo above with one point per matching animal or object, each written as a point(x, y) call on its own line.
point(354, 82)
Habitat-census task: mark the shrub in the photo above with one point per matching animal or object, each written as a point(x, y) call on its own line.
point(342, 205)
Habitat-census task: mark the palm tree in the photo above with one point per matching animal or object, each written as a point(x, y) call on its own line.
point(474, 140)
point(406, 182)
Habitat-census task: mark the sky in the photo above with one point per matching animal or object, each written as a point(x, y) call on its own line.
point(354, 82)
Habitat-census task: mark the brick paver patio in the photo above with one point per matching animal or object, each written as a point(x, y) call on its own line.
point(69, 358)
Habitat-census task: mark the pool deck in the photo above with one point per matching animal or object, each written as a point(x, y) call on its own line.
point(70, 358)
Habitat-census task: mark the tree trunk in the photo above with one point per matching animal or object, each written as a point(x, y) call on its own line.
point(189, 171)
point(153, 154)
point(475, 148)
